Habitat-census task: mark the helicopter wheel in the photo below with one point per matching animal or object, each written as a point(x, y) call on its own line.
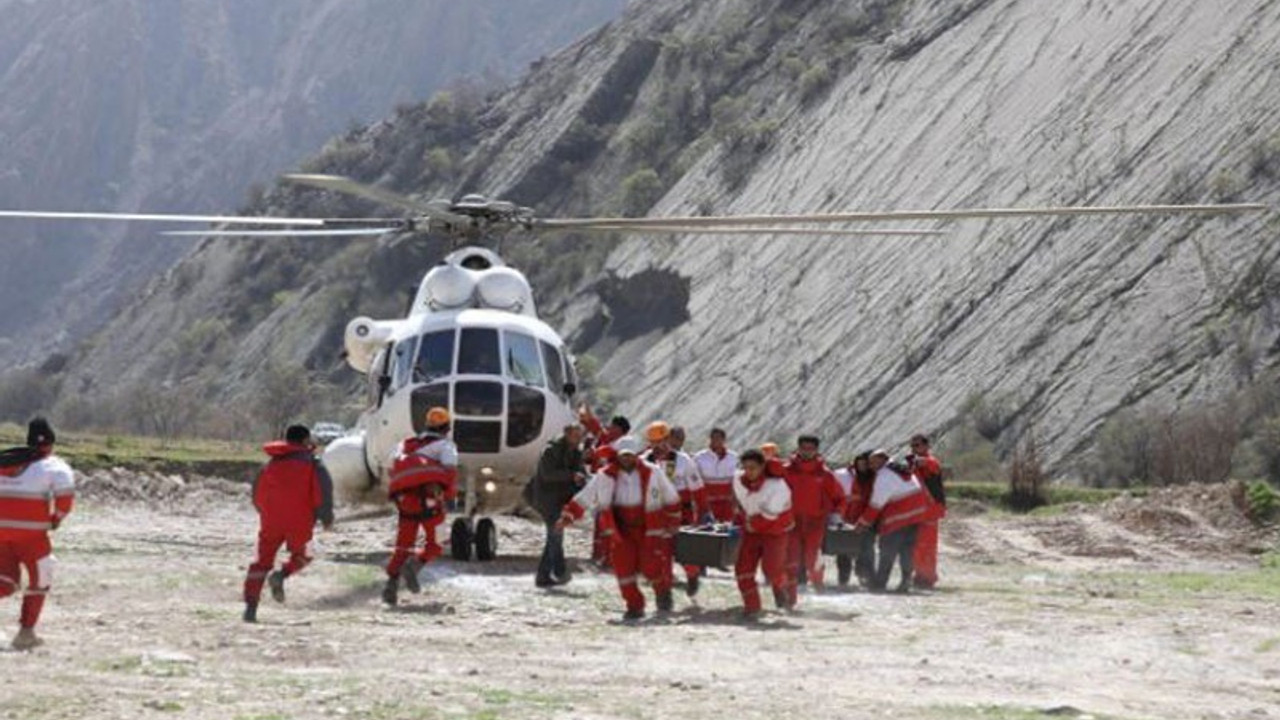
point(486, 540)
point(460, 540)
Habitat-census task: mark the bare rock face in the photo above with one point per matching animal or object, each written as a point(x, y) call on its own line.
point(1003, 103)
point(181, 106)
point(798, 105)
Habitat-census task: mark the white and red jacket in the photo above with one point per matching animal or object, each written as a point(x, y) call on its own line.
point(717, 472)
point(683, 474)
point(898, 501)
point(643, 496)
point(420, 466)
point(34, 497)
point(766, 505)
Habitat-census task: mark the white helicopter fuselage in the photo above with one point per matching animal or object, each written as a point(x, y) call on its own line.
point(472, 343)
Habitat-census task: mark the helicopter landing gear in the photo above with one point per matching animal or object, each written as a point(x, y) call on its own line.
point(483, 535)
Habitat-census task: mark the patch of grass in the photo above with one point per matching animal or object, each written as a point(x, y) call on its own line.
point(1260, 584)
point(1008, 712)
point(1268, 645)
point(996, 494)
point(361, 576)
point(88, 452)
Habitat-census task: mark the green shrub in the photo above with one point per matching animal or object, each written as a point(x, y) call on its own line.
point(815, 81)
point(640, 190)
point(1263, 501)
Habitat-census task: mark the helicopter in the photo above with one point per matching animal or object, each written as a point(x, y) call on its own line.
point(472, 340)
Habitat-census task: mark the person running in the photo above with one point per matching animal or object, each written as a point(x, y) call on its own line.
point(291, 493)
point(37, 491)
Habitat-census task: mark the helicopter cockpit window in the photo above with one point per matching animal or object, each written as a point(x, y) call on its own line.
point(523, 363)
point(555, 368)
point(478, 352)
point(435, 356)
point(402, 362)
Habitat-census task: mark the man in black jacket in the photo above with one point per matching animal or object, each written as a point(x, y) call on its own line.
point(560, 474)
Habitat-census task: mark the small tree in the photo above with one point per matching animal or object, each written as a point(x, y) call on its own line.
point(283, 394)
point(1027, 477)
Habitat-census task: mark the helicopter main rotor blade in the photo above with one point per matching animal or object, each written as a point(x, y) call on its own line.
point(898, 215)
point(682, 230)
point(327, 232)
point(162, 217)
point(382, 196)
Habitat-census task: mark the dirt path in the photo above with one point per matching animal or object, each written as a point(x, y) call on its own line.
point(145, 622)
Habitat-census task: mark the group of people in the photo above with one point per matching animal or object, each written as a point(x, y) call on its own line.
point(641, 493)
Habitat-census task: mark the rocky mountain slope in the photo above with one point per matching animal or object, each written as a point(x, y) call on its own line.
point(800, 105)
point(183, 106)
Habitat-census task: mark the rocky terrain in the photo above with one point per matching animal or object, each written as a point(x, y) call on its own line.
point(144, 621)
point(788, 105)
point(185, 106)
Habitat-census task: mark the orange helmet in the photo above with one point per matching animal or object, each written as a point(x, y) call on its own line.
point(438, 416)
point(769, 450)
point(657, 432)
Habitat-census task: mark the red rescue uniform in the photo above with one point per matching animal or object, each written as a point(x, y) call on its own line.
point(767, 522)
point(291, 492)
point(641, 512)
point(36, 492)
point(815, 495)
point(424, 479)
point(927, 468)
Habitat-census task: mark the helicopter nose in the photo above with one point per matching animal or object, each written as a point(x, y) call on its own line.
point(489, 415)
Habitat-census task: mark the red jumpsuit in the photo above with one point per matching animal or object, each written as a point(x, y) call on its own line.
point(929, 470)
point(424, 477)
point(641, 511)
point(815, 495)
point(291, 493)
point(683, 474)
point(767, 523)
point(36, 493)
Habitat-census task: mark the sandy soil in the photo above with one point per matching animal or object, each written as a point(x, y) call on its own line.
point(1084, 613)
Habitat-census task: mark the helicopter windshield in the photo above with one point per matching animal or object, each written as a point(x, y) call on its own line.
point(435, 356)
point(523, 363)
point(478, 352)
point(555, 368)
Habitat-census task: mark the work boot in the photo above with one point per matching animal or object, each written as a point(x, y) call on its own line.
point(632, 616)
point(544, 582)
point(26, 640)
point(251, 611)
point(751, 616)
point(390, 591)
point(409, 573)
point(275, 581)
point(691, 589)
point(665, 603)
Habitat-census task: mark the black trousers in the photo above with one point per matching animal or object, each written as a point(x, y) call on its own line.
point(552, 565)
point(862, 565)
point(898, 546)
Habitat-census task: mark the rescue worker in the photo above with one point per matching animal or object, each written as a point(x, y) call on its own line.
point(561, 473)
point(424, 479)
point(767, 523)
point(857, 480)
point(598, 455)
point(927, 468)
point(717, 466)
point(683, 474)
point(899, 504)
point(815, 495)
point(37, 490)
point(291, 493)
point(641, 510)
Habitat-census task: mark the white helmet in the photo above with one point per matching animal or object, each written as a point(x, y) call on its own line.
point(627, 445)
